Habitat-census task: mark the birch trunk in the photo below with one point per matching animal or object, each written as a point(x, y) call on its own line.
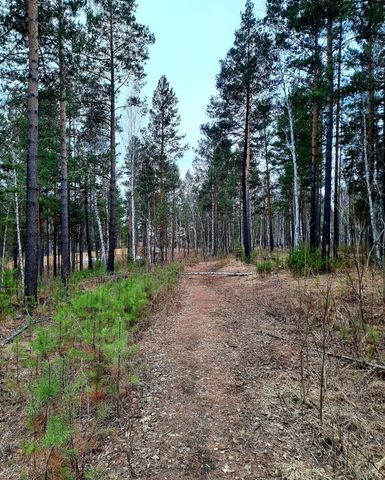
point(293, 151)
point(18, 234)
point(100, 230)
point(133, 217)
point(373, 224)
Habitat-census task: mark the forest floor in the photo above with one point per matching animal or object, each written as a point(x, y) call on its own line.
point(221, 399)
point(230, 374)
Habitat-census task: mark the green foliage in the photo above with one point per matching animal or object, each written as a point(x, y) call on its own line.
point(305, 261)
point(265, 266)
point(45, 389)
point(58, 432)
point(78, 358)
point(134, 379)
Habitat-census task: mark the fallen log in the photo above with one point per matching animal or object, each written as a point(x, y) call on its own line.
point(18, 332)
point(220, 274)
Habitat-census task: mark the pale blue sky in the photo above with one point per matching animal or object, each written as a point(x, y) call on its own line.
point(191, 37)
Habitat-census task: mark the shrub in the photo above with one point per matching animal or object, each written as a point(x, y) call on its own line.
point(266, 266)
point(305, 261)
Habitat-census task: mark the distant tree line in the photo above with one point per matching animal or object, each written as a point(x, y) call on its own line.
point(293, 150)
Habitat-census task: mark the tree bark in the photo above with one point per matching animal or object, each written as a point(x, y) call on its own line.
point(214, 221)
point(245, 181)
point(314, 205)
point(329, 142)
point(32, 207)
point(64, 219)
point(293, 151)
point(337, 169)
point(18, 233)
point(376, 237)
point(100, 230)
point(88, 234)
point(112, 206)
point(133, 212)
point(268, 196)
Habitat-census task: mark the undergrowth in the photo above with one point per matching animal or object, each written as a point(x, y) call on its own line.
point(306, 261)
point(79, 368)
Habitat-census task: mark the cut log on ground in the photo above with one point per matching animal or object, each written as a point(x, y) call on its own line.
point(221, 274)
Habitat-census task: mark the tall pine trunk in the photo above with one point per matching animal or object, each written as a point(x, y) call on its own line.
point(88, 233)
point(32, 208)
point(329, 143)
point(376, 237)
point(268, 196)
point(337, 168)
point(112, 203)
point(245, 181)
point(315, 167)
point(64, 219)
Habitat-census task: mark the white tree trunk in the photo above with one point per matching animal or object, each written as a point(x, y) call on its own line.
point(100, 230)
point(133, 217)
point(17, 215)
point(376, 235)
point(293, 151)
point(149, 230)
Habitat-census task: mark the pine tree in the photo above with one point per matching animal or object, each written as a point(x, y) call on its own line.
point(31, 265)
point(121, 48)
point(244, 75)
point(167, 147)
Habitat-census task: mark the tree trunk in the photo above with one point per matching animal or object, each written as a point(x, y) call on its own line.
point(314, 205)
point(31, 266)
point(293, 151)
point(337, 169)
point(112, 209)
point(376, 237)
point(64, 219)
point(371, 128)
point(88, 235)
point(54, 247)
point(214, 221)
point(17, 218)
point(245, 181)
point(329, 143)
point(268, 195)
point(100, 230)
point(133, 213)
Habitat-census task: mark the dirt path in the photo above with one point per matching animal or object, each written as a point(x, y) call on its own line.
point(220, 400)
point(205, 411)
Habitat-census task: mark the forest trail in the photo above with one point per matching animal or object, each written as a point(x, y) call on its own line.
point(210, 405)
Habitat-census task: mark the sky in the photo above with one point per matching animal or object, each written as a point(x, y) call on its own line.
point(191, 37)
